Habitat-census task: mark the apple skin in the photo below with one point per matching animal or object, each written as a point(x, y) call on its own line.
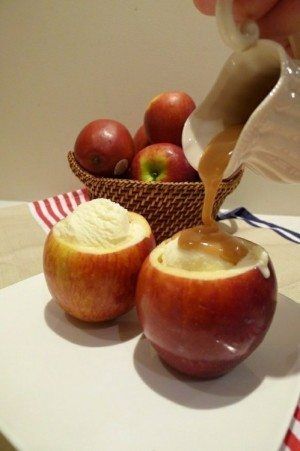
point(141, 139)
point(165, 117)
point(93, 287)
point(162, 162)
point(204, 328)
point(104, 147)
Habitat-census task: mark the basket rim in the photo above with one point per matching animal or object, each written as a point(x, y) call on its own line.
point(71, 158)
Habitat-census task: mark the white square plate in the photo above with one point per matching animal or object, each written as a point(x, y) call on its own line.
point(66, 385)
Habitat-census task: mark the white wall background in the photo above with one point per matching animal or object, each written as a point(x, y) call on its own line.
point(67, 62)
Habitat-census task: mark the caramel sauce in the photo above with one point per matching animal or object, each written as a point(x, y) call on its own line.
point(209, 237)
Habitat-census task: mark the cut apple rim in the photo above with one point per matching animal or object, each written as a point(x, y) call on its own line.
point(139, 229)
point(193, 264)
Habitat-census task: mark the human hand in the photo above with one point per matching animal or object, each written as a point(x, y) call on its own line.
point(277, 19)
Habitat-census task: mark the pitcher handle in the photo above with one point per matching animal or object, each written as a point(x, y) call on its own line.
point(236, 38)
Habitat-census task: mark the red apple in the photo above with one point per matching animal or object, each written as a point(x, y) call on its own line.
point(104, 147)
point(162, 162)
point(205, 323)
point(141, 139)
point(165, 117)
point(95, 285)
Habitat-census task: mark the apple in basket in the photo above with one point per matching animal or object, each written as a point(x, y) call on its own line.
point(165, 117)
point(92, 259)
point(104, 147)
point(162, 162)
point(141, 139)
point(204, 315)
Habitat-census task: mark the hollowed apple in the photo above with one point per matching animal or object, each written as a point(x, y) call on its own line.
point(95, 284)
point(205, 322)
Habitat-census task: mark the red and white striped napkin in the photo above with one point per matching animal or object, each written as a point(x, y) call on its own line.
point(49, 211)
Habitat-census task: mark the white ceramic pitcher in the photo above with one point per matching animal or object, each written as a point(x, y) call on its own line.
point(259, 86)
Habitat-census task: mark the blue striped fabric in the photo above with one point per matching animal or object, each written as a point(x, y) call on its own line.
point(242, 213)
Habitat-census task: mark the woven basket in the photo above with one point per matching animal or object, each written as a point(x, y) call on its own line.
point(168, 206)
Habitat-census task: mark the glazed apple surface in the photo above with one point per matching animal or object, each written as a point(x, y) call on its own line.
point(162, 162)
point(165, 116)
point(104, 147)
point(203, 315)
point(141, 139)
point(92, 259)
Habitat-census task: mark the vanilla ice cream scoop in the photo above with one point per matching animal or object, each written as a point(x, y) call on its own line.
point(92, 259)
point(99, 224)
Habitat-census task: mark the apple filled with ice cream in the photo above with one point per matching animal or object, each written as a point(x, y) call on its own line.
point(201, 313)
point(92, 259)
point(205, 298)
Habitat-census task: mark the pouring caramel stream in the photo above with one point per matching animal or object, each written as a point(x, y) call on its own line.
point(209, 237)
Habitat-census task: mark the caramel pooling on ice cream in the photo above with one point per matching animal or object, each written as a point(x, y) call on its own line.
point(208, 237)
